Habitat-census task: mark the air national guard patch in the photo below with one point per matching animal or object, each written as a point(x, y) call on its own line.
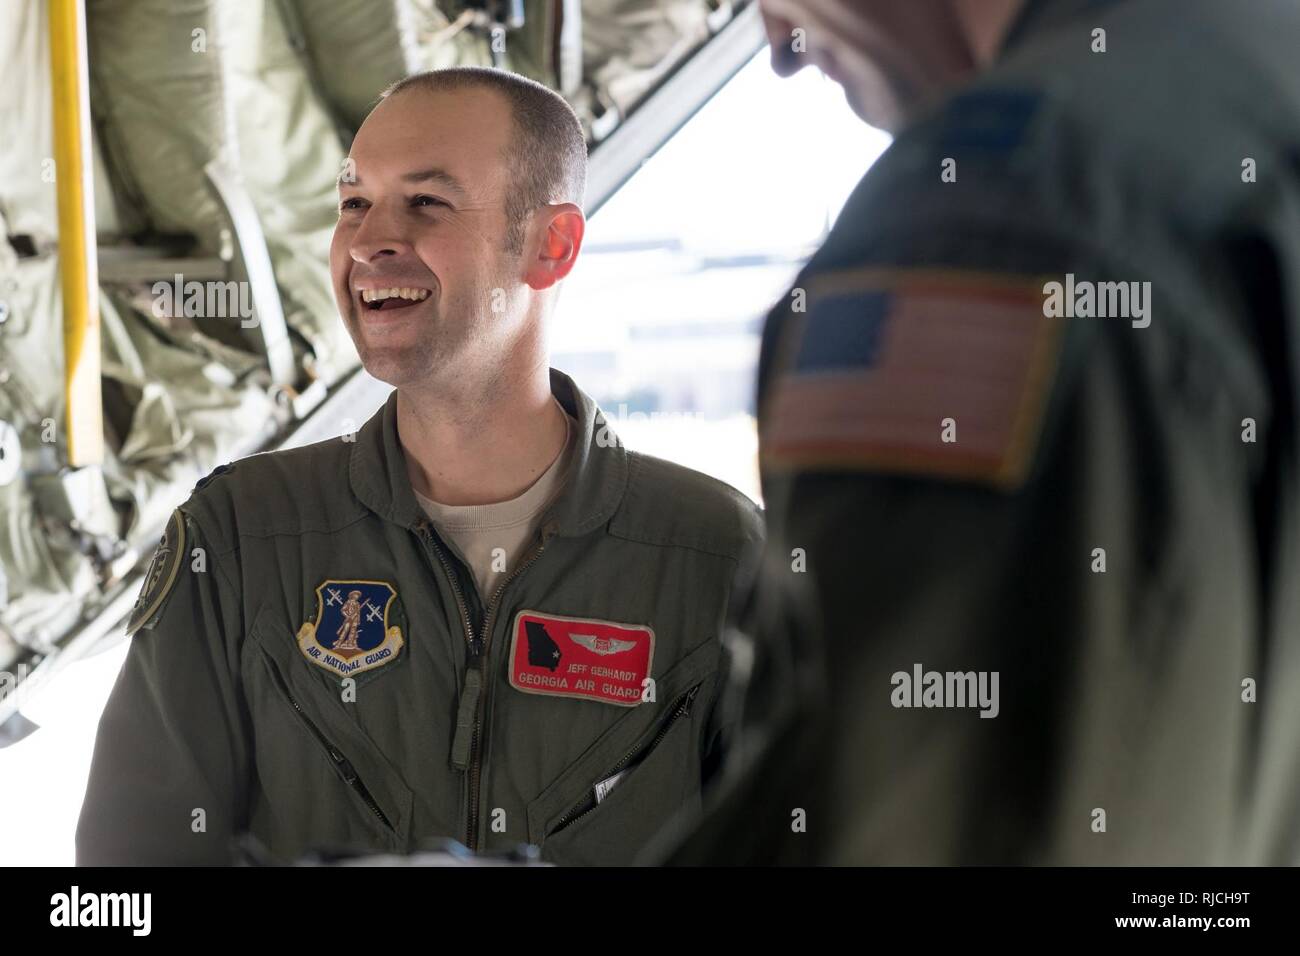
point(918, 371)
point(164, 569)
point(580, 657)
point(351, 632)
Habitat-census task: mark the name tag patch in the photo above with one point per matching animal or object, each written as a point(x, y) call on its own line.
point(580, 657)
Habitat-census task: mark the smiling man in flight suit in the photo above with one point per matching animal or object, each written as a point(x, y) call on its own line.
point(479, 617)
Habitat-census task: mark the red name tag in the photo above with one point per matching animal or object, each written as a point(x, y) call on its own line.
point(580, 657)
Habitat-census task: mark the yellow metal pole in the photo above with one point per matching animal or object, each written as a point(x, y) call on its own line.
point(79, 273)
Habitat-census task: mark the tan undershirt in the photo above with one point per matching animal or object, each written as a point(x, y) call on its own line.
point(478, 531)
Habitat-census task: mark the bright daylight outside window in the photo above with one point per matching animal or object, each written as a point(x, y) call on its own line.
point(662, 317)
point(660, 322)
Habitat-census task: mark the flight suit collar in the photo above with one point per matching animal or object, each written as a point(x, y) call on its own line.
point(592, 491)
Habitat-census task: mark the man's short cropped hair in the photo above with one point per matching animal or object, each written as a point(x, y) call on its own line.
point(547, 151)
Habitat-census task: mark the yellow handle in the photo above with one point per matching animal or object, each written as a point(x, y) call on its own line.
point(77, 253)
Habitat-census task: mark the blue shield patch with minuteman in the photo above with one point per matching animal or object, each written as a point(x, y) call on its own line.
point(351, 632)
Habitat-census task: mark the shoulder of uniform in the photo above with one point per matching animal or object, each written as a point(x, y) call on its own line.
point(285, 491)
point(163, 572)
point(671, 505)
point(1062, 131)
point(1059, 163)
point(288, 491)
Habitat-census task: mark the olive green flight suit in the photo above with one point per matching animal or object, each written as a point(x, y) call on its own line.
point(221, 724)
point(1134, 576)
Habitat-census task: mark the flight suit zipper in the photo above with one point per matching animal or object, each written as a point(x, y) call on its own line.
point(681, 708)
point(476, 701)
point(341, 763)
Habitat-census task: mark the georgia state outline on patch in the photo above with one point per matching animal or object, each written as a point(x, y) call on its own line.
point(590, 659)
point(351, 632)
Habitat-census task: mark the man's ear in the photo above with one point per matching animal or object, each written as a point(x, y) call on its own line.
point(562, 227)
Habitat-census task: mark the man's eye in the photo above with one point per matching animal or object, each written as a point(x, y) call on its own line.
point(351, 204)
point(427, 201)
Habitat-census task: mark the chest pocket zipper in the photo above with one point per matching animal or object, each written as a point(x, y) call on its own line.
point(680, 709)
point(340, 762)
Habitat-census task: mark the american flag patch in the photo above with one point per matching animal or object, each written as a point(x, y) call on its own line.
point(916, 371)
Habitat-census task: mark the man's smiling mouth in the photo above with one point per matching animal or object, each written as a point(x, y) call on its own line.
point(396, 298)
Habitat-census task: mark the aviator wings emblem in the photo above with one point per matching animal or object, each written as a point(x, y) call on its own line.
point(602, 645)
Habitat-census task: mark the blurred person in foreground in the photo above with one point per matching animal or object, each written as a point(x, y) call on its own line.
point(1029, 451)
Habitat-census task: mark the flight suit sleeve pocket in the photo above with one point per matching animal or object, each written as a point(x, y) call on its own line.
point(653, 765)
